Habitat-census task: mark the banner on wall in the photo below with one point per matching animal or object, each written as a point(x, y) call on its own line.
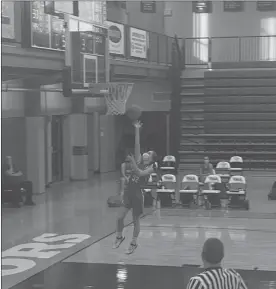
point(138, 43)
point(266, 5)
point(233, 6)
point(148, 6)
point(202, 6)
point(116, 38)
point(7, 19)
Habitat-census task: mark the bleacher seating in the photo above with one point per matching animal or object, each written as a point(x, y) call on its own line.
point(236, 116)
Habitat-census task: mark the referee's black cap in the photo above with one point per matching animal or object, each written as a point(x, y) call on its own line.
point(213, 251)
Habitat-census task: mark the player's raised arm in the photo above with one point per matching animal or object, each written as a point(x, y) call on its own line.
point(138, 172)
point(137, 149)
point(123, 170)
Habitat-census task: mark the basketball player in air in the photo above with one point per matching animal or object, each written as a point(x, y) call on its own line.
point(133, 197)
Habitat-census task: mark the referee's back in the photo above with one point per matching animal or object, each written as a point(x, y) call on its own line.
point(217, 278)
point(214, 276)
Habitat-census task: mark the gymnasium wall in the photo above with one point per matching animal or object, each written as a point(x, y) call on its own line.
point(143, 95)
point(54, 103)
point(12, 103)
point(250, 22)
point(133, 17)
point(149, 21)
point(13, 141)
point(13, 126)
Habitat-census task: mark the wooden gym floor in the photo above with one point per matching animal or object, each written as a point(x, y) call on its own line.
point(169, 244)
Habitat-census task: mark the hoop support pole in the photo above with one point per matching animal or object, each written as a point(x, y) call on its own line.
point(22, 89)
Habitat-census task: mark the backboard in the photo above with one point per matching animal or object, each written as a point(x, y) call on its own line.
point(86, 52)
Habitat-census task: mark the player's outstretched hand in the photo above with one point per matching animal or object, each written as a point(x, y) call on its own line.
point(138, 124)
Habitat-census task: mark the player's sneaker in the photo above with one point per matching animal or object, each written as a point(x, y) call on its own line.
point(132, 247)
point(118, 242)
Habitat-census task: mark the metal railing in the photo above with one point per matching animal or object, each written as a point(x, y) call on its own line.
point(207, 50)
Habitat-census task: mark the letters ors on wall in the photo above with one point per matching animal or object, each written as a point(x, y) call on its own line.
point(138, 43)
point(116, 38)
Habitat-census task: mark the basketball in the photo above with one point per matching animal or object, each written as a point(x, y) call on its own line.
point(134, 112)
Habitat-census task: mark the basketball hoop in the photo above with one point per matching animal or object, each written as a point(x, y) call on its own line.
point(116, 95)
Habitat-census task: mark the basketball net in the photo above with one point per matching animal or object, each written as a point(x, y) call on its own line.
point(116, 97)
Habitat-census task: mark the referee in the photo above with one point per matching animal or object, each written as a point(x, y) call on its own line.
point(214, 276)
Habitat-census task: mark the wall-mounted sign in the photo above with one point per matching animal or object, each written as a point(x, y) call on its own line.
point(116, 38)
point(266, 5)
point(233, 6)
point(138, 43)
point(123, 4)
point(80, 151)
point(167, 12)
point(148, 6)
point(7, 19)
point(202, 6)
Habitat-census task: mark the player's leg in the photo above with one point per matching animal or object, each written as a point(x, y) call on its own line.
point(137, 211)
point(120, 226)
point(123, 183)
point(155, 198)
point(133, 244)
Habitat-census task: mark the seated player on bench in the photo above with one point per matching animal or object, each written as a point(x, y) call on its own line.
point(206, 169)
point(14, 180)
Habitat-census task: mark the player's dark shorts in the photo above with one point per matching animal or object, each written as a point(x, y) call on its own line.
point(134, 201)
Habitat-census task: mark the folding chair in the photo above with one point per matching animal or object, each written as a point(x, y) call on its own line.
point(236, 164)
point(189, 190)
point(211, 191)
point(223, 170)
point(166, 194)
point(168, 165)
point(237, 196)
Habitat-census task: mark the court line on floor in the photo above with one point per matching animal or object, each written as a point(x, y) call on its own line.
point(211, 228)
point(173, 212)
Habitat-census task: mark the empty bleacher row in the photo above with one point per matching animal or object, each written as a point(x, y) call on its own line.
point(233, 114)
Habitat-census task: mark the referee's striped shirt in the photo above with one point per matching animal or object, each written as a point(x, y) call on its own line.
point(217, 278)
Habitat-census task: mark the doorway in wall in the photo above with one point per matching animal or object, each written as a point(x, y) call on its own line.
point(57, 148)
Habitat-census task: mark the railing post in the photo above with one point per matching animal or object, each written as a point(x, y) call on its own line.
point(183, 50)
point(127, 43)
point(148, 48)
point(158, 58)
point(209, 52)
point(167, 50)
point(269, 39)
point(239, 49)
